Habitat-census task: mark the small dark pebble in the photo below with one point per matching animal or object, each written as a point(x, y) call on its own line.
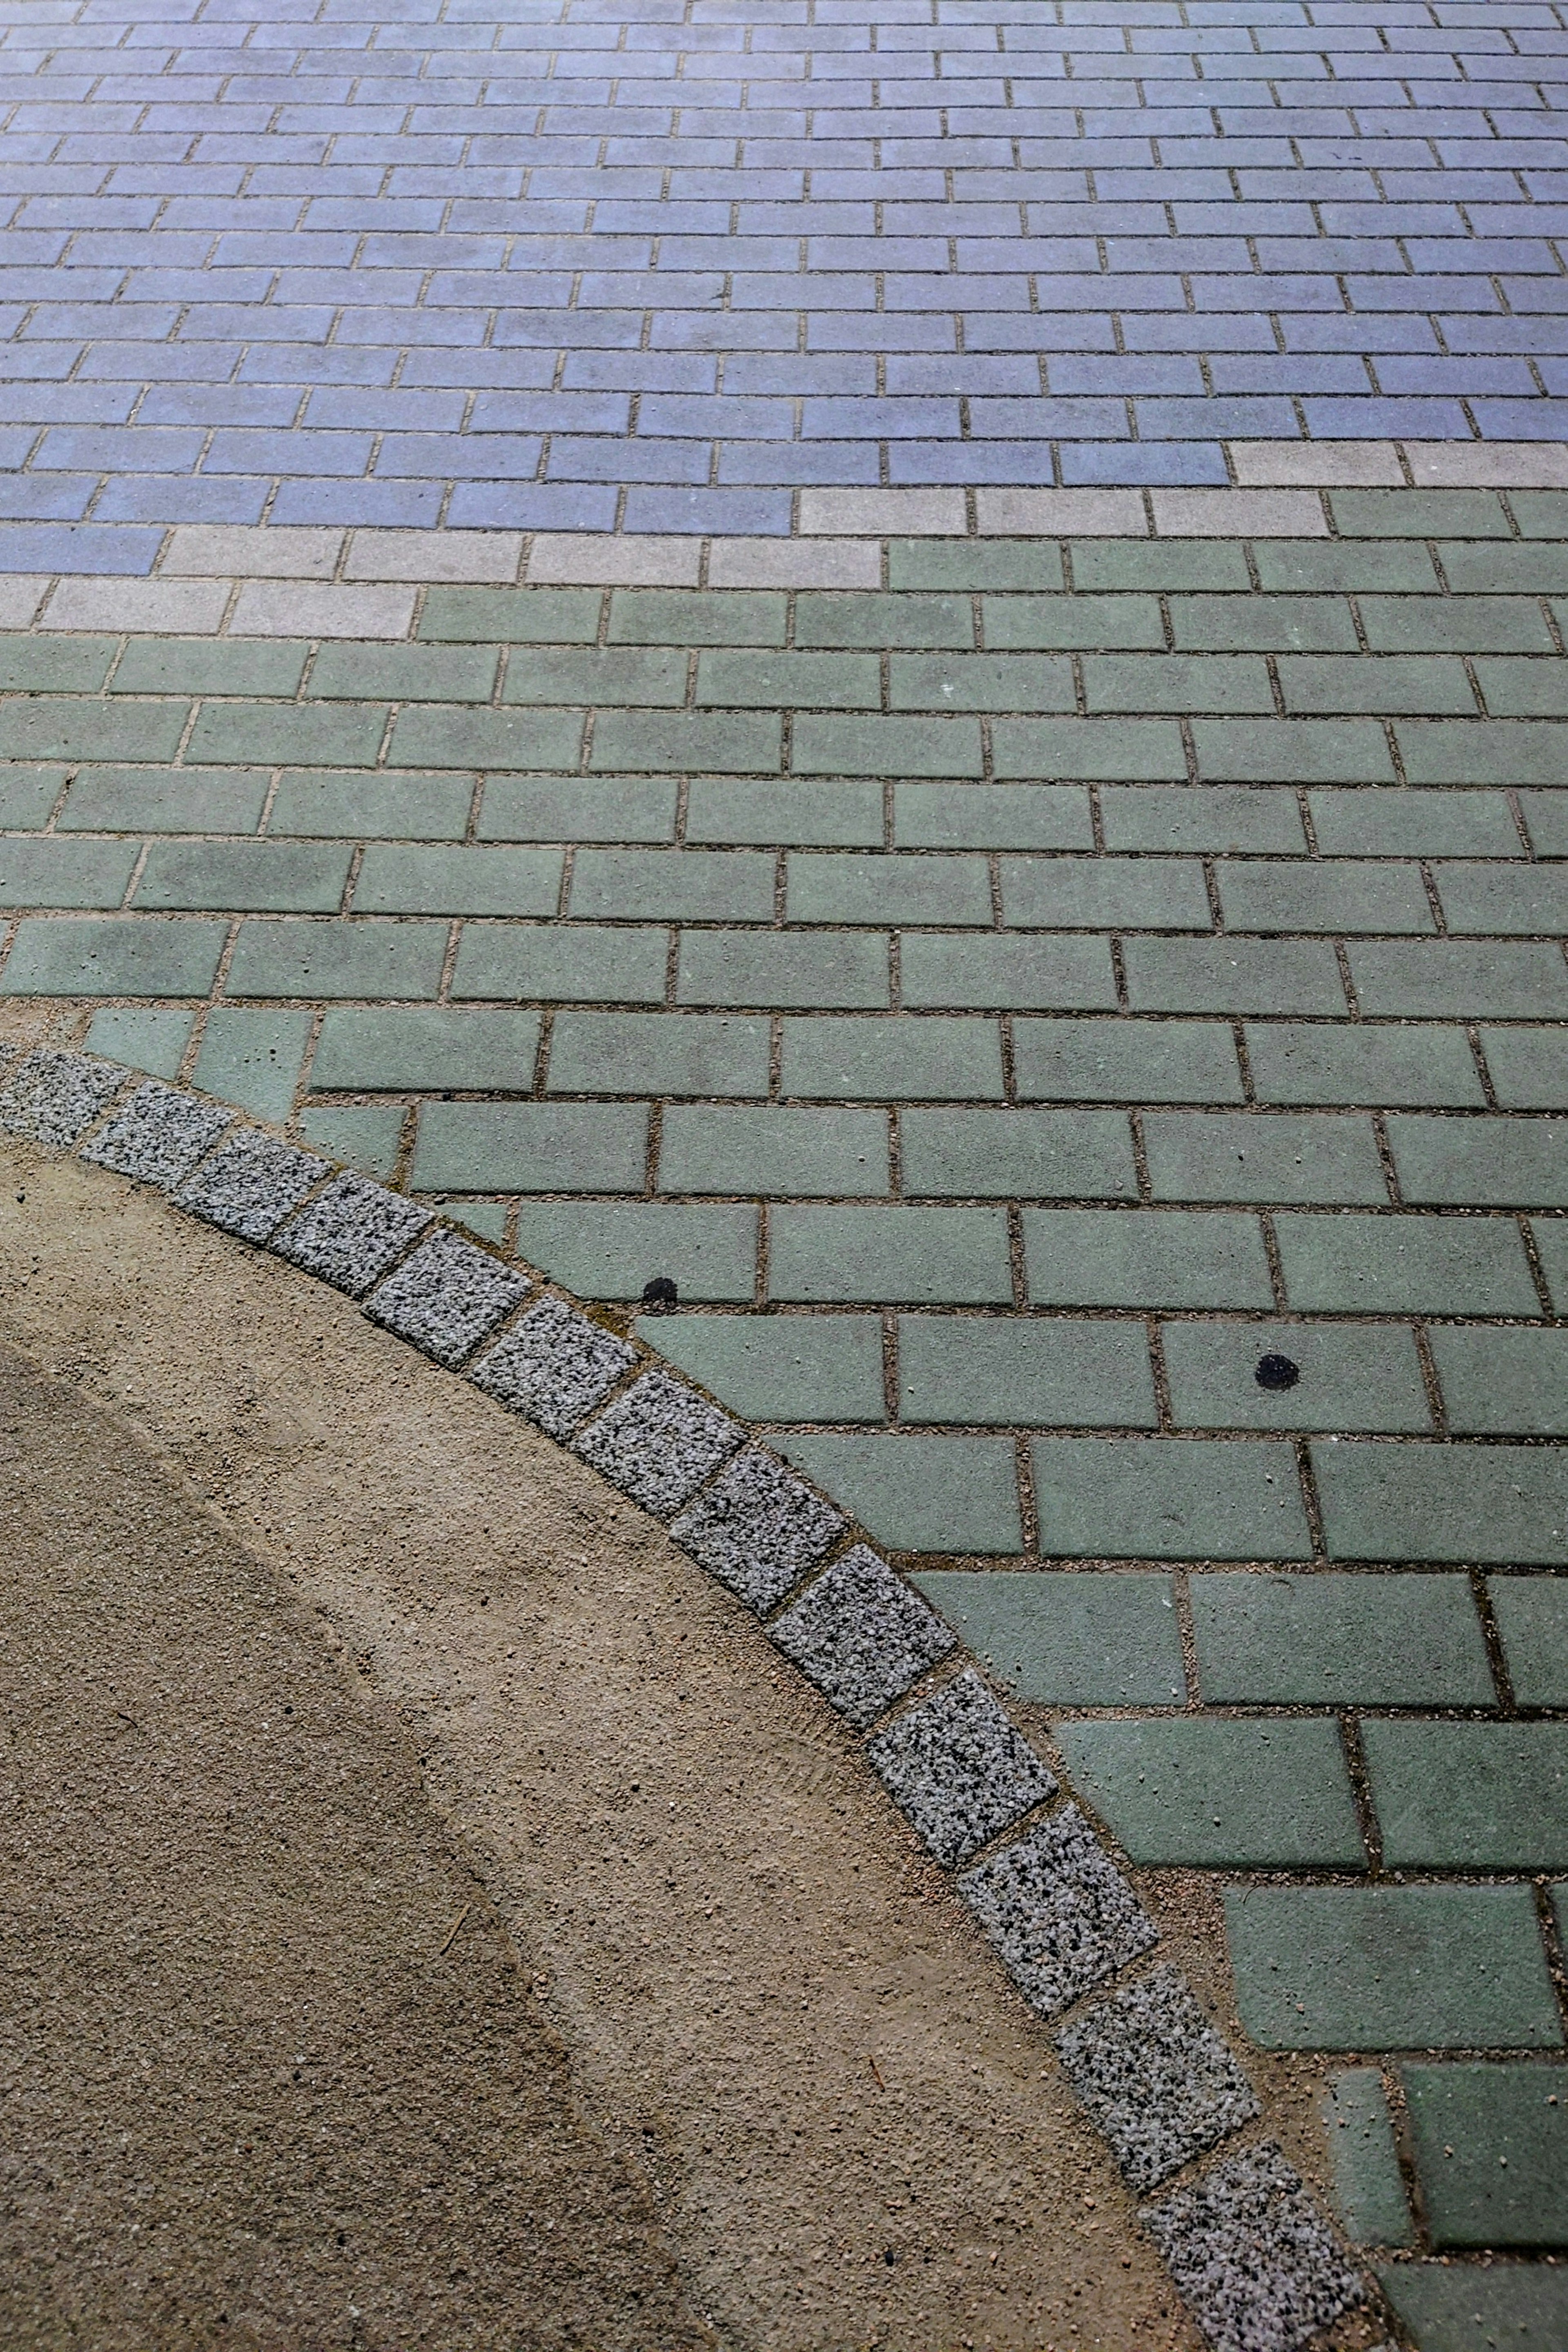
point(1277, 1373)
point(660, 1295)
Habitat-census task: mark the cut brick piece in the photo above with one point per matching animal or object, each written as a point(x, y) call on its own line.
point(1252, 2259)
point(554, 1367)
point(658, 1442)
point(158, 1136)
point(352, 1235)
point(758, 1529)
point(1158, 2080)
point(445, 1298)
point(956, 1766)
point(861, 1636)
point(54, 1097)
point(250, 1184)
point(1061, 1915)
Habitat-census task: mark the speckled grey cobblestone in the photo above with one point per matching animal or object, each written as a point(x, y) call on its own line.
point(554, 1366)
point(1254, 2262)
point(758, 1529)
point(54, 1096)
point(959, 1770)
point(158, 1136)
point(1058, 1911)
point(1156, 2078)
point(351, 1234)
point(659, 1442)
point(861, 1636)
point(447, 1297)
point(250, 1184)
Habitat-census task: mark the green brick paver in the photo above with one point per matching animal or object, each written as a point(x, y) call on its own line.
point(1009, 1004)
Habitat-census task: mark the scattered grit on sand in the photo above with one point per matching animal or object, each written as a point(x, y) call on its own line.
point(714, 2057)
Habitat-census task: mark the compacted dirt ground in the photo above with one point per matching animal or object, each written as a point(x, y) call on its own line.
point(432, 1914)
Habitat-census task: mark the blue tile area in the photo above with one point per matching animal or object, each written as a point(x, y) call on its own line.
point(620, 263)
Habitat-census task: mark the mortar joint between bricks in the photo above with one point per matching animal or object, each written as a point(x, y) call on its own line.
point(1361, 1789)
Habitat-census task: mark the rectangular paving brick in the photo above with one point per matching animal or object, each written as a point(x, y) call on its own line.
point(774, 968)
point(738, 743)
point(1370, 1063)
point(891, 1060)
point(576, 808)
point(659, 1052)
point(1404, 1266)
point(1145, 1258)
point(288, 958)
point(986, 970)
point(394, 879)
point(54, 873)
point(1064, 624)
point(1369, 2188)
point(358, 805)
point(614, 1249)
point(653, 677)
point(1129, 1061)
point(71, 728)
point(825, 745)
point(1235, 1156)
point(994, 681)
point(991, 816)
point(1531, 1613)
point(245, 876)
point(427, 1048)
point(1337, 1640)
point(1048, 1373)
point(1313, 1968)
point(1115, 894)
point(1481, 1163)
point(824, 889)
point(1529, 1068)
point(795, 681)
point(1470, 1796)
point(779, 1153)
point(1341, 897)
point(1491, 2152)
point(1351, 1377)
point(1496, 1504)
point(571, 962)
point(279, 734)
point(451, 735)
point(1089, 751)
point(920, 1493)
point(1168, 1498)
point(136, 956)
point(919, 1257)
point(1069, 1637)
point(1412, 823)
point(1234, 817)
point(1294, 751)
point(1039, 1154)
point(1430, 978)
point(510, 615)
point(1504, 1384)
point(681, 616)
point(353, 673)
point(1218, 1795)
point(1231, 976)
point(780, 1367)
point(833, 814)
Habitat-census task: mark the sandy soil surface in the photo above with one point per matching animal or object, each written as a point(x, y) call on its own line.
point(771, 2051)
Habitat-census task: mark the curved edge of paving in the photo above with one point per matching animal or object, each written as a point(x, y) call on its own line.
point(1245, 2246)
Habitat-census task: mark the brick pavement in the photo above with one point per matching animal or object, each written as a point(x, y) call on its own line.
point(974, 774)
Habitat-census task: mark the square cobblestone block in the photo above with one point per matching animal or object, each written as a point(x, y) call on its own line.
point(1331, 1639)
point(1504, 1384)
point(1044, 1373)
point(919, 1494)
point(447, 1297)
point(779, 1368)
point(1369, 2188)
point(780, 1153)
point(1220, 1795)
point(1484, 1163)
point(157, 1136)
point(985, 970)
point(250, 1184)
point(659, 1442)
point(1491, 2152)
point(1250, 2255)
point(758, 1529)
point(1238, 1156)
point(351, 1234)
point(1146, 1258)
point(1129, 1061)
point(1380, 1064)
point(131, 956)
point(1016, 1154)
point(1069, 1637)
point(893, 1060)
point(1531, 1613)
point(1390, 1967)
point(1168, 1498)
point(776, 968)
point(1058, 1912)
point(955, 1765)
point(1495, 1504)
point(1159, 2083)
point(1358, 1377)
point(1470, 1796)
point(861, 1636)
point(554, 1367)
point(54, 1097)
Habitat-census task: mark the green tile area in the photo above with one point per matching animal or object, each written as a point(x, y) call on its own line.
point(1009, 1004)
point(1491, 2152)
point(1472, 2307)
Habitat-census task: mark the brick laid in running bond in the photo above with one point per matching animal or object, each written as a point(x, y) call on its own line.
point(956, 1766)
point(352, 1233)
point(1058, 1912)
point(861, 1636)
point(158, 1136)
point(54, 1097)
point(554, 1367)
point(250, 1184)
point(447, 1297)
point(658, 1442)
point(1159, 2081)
point(1250, 2257)
point(758, 1529)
